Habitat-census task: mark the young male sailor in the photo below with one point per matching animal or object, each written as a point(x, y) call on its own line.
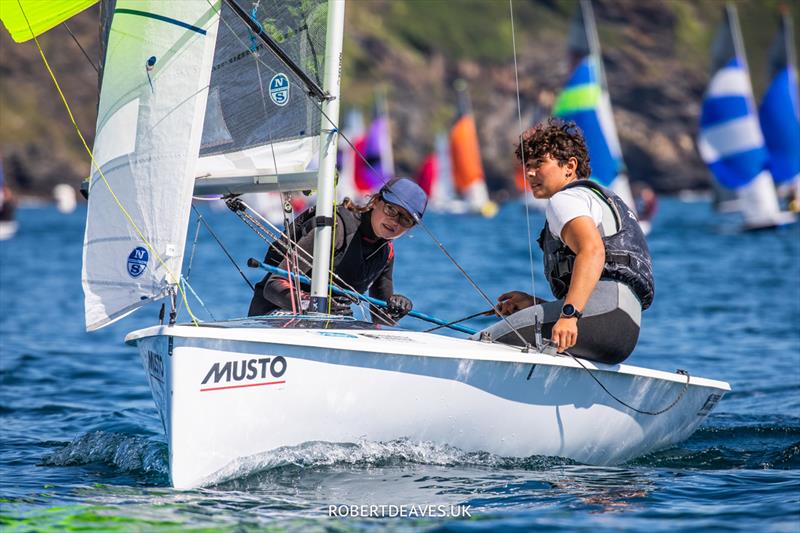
point(363, 252)
point(596, 258)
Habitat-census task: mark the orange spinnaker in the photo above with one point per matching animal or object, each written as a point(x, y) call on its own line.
point(465, 154)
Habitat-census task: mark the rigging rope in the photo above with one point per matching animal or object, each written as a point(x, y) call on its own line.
point(640, 411)
point(526, 185)
point(127, 215)
point(81, 47)
point(225, 250)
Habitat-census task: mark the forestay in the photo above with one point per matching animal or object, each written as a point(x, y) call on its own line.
point(149, 124)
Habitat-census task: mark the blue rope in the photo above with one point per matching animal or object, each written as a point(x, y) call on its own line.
point(374, 301)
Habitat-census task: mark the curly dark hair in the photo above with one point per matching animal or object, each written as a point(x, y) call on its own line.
point(560, 140)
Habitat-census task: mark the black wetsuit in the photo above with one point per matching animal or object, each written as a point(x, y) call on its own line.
point(361, 259)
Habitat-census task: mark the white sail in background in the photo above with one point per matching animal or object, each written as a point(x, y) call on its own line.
point(353, 129)
point(149, 125)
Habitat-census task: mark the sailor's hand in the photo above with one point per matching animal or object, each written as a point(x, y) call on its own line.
point(340, 305)
point(565, 333)
point(398, 306)
point(512, 301)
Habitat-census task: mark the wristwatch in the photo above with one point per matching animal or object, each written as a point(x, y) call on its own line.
point(569, 311)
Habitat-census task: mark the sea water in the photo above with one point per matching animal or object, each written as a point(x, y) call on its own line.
point(81, 445)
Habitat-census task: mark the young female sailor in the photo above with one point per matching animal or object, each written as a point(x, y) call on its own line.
point(363, 252)
point(596, 258)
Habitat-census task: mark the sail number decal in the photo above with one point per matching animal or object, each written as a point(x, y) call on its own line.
point(279, 89)
point(137, 261)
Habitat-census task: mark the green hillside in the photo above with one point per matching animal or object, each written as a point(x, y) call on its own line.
point(656, 54)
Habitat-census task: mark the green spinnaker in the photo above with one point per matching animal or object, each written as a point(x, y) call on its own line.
point(21, 16)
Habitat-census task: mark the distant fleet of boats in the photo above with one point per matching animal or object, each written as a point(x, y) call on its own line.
point(753, 153)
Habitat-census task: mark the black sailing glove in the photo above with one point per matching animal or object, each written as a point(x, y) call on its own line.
point(340, 305)
point(398, 306)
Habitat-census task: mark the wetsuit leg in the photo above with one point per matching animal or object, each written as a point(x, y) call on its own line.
point(607, 333)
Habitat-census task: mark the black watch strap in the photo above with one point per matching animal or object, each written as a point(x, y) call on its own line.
point(569, 311)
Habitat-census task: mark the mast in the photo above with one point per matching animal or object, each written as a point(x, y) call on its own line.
point(788, 33)
point(738, 43)
point(594, 41)
point(327, 161)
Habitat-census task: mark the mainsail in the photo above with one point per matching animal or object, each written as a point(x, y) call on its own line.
point(188, 89)
point(260, 127)
point(586, 101)
point(730, 141)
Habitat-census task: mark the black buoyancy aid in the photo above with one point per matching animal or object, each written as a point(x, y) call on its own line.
point(627, 255)
point(349, 259)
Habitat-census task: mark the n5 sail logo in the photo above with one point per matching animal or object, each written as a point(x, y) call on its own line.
point(255, 372)
point(137, 261)
point(279, 89)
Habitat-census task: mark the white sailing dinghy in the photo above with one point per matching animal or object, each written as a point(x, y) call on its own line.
point(194, 99)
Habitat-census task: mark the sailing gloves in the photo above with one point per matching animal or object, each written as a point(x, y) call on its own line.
point(340, 305)
point(398, 306)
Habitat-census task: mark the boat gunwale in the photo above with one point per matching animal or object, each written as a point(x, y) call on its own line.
point(338, 339)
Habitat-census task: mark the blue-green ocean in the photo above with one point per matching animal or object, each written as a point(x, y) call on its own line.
point(81, 445)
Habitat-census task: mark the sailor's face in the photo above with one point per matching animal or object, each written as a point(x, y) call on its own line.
point(386, 220)
point(547, 176)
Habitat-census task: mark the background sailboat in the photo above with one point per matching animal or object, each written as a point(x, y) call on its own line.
point(465, 157)
point(352, 130)
point(779, 112)
point(8, 207)
point(64, 197)
point(586, 101)
point(435, 176)
point(730, 141)
point(377, 165)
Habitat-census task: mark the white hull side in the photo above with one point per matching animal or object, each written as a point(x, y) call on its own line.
point(502, 402)
point(759, 204)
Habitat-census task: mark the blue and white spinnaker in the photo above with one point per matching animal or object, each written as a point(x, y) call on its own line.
point(585, 100)
point(780, 111)
point(731, 141)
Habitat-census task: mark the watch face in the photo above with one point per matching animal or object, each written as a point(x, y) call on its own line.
point(568, 310)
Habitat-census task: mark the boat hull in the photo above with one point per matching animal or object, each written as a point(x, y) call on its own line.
point(225, 399)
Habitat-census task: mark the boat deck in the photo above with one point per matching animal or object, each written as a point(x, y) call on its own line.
point(345, 333)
